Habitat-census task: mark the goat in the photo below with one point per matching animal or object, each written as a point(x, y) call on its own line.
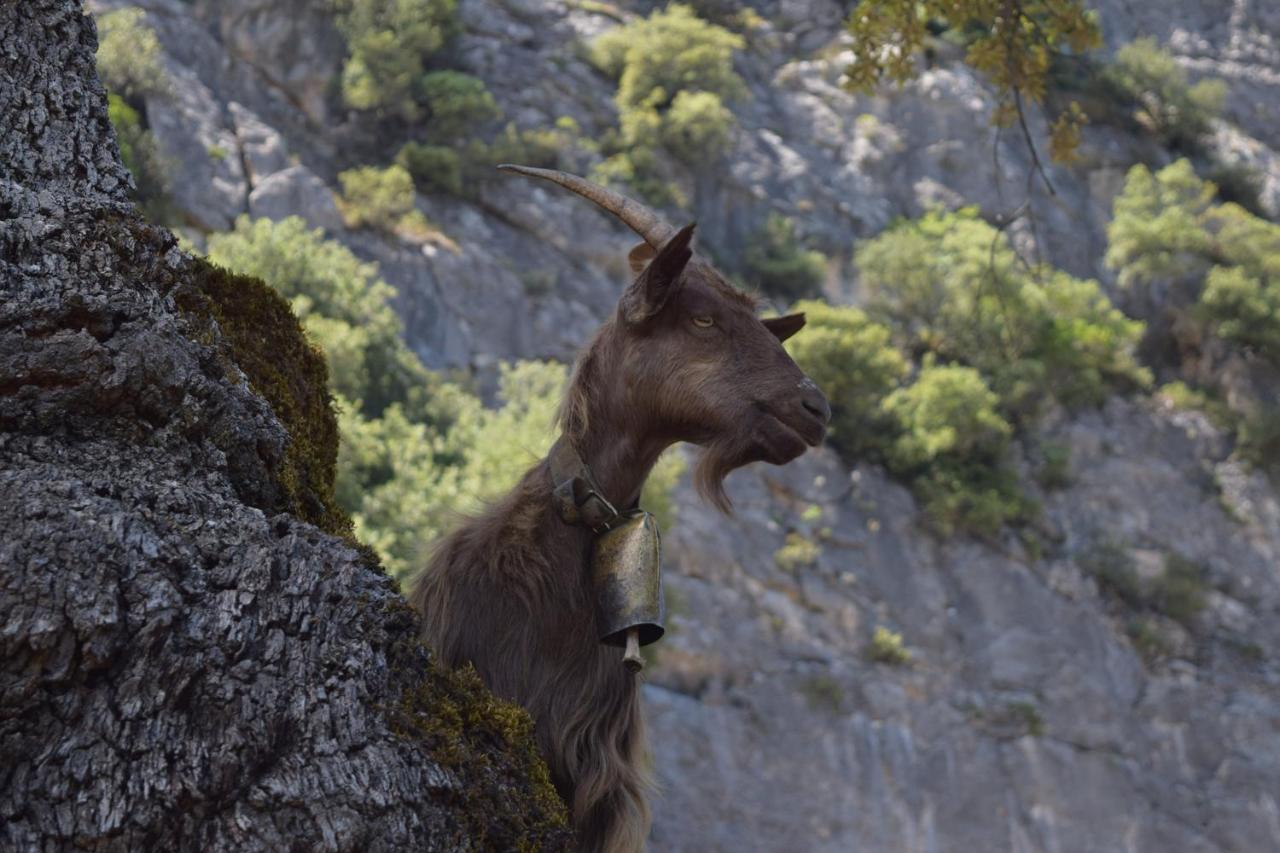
point(684, 358)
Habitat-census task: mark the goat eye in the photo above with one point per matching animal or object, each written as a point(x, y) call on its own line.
point(703, 322)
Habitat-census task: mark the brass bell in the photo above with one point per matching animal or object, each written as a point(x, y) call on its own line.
point(627, 572)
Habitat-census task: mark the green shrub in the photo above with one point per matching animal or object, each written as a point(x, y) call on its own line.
point(381, 198)
point(1182, 396)
point(696, 127)
point(1166, 228)
point(342, 303)
point(1244, 308)
point(139, 154)
point(434, 168)
point(775, 262)
point(823, 692)
point(1179, 591)
point(950, 284)
point(948, 412)
point(1239, 183)
point(1159, 229)
point(1178, 113)
point(388, 42)
point(1258, 439)
point(951, 445)
point(672, 50)
point(851, 359)
point(797, 552)
point(1055, 468)
point(457, 103)
point(637, 169)
point(129, 56)
point(1147, 638)
point(674, 72)
point(1026, 716)
point(886, 647)
point(1112, 566)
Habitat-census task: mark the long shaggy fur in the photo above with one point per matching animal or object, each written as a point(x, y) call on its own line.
point(510, 593)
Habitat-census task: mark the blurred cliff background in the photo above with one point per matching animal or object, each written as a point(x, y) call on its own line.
point(1026, 598)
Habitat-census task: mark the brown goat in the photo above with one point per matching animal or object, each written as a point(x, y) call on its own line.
point(684, 359)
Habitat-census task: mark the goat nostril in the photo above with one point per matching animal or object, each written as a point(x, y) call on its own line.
point(818, 408)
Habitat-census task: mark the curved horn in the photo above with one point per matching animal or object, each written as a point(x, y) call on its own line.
point(637, 216)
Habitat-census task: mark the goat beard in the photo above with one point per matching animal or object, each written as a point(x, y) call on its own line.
point(716, 461)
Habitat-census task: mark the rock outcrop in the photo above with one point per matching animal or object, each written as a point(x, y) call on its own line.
point(195, 654)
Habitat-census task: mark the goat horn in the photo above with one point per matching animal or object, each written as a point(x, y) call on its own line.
point(638, 217)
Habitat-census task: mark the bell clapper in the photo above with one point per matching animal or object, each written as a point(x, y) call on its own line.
point(631, 658)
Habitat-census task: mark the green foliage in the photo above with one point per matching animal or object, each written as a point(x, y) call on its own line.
point(1182, 396)
point(342, 303)
point(457, 102)
point(1179, 591)
point(951, 445)
point(798, 552)
point(460, 168)
point(851, 359)
point(1055, 468)
point(674, 72)
point(1178, 113)
point(1245, 308)
point(672, 50)
point(434, 168)
point(129, 56)
point(996, 340)
point(1168, 229)
point(1012, 43)
point(886, 647)
point(142, 159)
point(1147, 638)
point(776, 263)
point(823, 692)
point(1026, 716)
point(950, 284)
point(1112, 566)
point(1240, 183)
point(381, 198)
point(638, 169)
point(696, 127)
point(1258, 439)
point(415, 450)
point(1160, 227)
point(947, 412)
point(389, 42)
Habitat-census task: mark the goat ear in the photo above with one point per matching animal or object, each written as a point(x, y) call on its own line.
point(639, 256)
point(659, 281)
point(784, 327)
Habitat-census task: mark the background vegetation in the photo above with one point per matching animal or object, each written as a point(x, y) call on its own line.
point(959, 348)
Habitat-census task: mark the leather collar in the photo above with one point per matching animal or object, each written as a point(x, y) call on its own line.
point(575, 493)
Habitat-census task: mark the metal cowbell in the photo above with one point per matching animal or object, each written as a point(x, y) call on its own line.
point(627, 572)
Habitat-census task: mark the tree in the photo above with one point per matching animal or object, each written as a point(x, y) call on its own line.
point(1011, 43)
point(196, 654)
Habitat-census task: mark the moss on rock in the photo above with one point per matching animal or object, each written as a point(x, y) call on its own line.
point(268, 344)
point(484, 742)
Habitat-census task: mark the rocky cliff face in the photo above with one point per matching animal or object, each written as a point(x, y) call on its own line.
point(195, 655)
point(1040, 709)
